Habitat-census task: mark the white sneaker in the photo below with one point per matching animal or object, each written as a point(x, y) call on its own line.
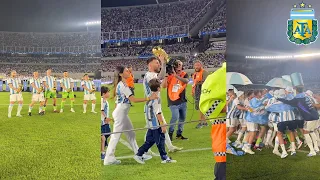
point(84, 112)
point(139, 159)
point(312, 154)
point(152, 153)
point(94, 112)
point(284, 155)
point(146, 157)
point(276, 152)
point(293, 153)
point(61, 110)
point(236, 144)
point(168, 160)
point(249, 151)
point(9, 115)
point(18, 115)
point(112, 163)
point(72, 110)
point(175, 149)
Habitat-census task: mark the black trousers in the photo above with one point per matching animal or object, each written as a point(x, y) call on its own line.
point(220, 171)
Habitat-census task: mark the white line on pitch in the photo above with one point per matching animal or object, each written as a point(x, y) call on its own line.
point(183, 151)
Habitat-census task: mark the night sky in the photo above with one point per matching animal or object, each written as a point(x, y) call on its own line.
point(259, 27)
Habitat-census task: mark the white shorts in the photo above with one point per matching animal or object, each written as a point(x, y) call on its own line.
point(16, 97)
point(310, 125)
point(251, 127)
point(38, 97)
point(243, 122)
point(275, 127)
point(234, 122)
point(89, 97)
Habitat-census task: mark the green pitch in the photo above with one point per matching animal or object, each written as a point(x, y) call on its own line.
point(265, 165)
point(196, 163)
point(53, 146)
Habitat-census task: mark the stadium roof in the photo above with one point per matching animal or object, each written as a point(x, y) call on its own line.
point(119, 3)
point(48, 15)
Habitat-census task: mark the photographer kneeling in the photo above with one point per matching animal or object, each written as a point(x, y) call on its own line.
point(176, 83)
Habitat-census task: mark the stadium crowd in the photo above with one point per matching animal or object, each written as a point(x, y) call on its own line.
point(46, 60)
point(219, 21)
point(141, 50)
point(209, 61)
point(32, 39)
point(152, 16)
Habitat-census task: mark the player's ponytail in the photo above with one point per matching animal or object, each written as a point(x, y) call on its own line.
point(117, 78)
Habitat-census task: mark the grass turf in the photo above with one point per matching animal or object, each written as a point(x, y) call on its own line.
point(190, 165)
point(53, 146)
point(264, 165)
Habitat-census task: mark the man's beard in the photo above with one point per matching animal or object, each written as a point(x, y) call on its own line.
point(158, 70)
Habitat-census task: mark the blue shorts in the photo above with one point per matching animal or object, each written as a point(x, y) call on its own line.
point(286, 125)
point(105, 129)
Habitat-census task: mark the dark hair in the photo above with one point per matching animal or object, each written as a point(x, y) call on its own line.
point(104, 90)
point(65, 71)
point(117, 78)
point(229, 90)
point(151, 59)
point(256, 92)
point(154, 84)
point(85, 75)
point(299, 89)
point(249, 93)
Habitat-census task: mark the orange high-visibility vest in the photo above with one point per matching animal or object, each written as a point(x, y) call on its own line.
point(197, 77)
point(172, 82)
point(130, 81)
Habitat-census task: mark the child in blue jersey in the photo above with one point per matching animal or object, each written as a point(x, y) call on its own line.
point(105, 120)
point(155, 133)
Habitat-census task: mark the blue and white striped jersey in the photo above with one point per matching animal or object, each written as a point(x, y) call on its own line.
point(123, 93)
point(153, 107)
point(88, 84)
point(50, 81)
point(67, 83)
point(105, 108)
point(15, 83)
point(37, 83)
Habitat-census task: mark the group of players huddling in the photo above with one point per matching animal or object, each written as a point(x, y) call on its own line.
point(265, 116)
point(45, 88)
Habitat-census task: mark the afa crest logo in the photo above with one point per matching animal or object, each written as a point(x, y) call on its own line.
point(302, 25)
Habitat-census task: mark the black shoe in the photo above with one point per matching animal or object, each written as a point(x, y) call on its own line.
point(170, 135)
point(181, 137)
point(29, 113)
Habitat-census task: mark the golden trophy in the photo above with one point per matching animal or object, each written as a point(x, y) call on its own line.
point(41, 89)
point(157, 51)
point(20, 88)
point(93, 89)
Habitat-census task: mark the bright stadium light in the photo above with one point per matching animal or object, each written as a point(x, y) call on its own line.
point(92, 23)
point(284, 57)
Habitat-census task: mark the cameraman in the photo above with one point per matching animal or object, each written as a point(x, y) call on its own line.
point(176, 83)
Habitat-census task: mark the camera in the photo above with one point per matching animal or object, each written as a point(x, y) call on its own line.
point(171, 65)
